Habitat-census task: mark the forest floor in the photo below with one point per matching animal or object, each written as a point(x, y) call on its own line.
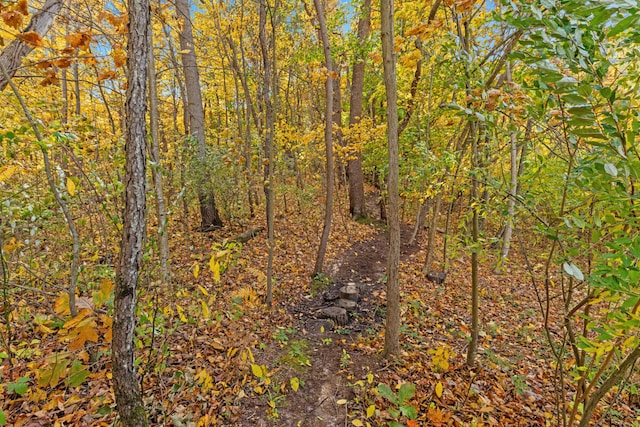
point(210, 353)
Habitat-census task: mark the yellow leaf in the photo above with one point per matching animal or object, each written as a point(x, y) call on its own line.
point(215, 269)
point(295, 383)
point(257, 370)
point(357, 423)
point(196, 270)
point(371, 410)
point(205, 310)
point(203, 290)
point(439, 388)
point(369, 377)
point(7, 172)
point(71, 187)
point(181, 314)
point(342, 402)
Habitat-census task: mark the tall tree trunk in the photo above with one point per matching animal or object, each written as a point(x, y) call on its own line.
point(268, 145)
point(392, 326)
point(41, 21)
point(209, 213)
point(76, 87)
point(156, 169)
point(511, 202)
point(337, 120)
point(475, 236)
point(125, 381)
point(64, 112)
point(355, 175)
point(328, 143)
point(431, 240)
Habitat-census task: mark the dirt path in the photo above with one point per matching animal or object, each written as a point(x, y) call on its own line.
point(323, 381)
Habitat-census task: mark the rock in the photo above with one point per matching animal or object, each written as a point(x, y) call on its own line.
point(330, 296)
point(337, 314)
point(347, 304)
point(349, 292)
point(437, 277)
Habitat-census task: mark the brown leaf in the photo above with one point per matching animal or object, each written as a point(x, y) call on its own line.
point(107, 75)
point(50, 78)
point(12, 18)
point(43, 65)
point(21, 7)
point(31, 37)
point(63, 63)
point(68, 51)
point(80, 39)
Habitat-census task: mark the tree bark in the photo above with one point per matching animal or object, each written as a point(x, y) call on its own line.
point(41, 21)
point(328, 135)
point(268, 145)
point(475, 291)
point(209, 213)
point(156, 170)
point(355, 175)
point(125, 382)
point(392, 326)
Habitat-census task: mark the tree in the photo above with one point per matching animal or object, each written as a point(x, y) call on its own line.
point(268, 145)
point(154, 154)
point(125, 383)
point(209, 213)
point(11, 57)
point(357, 206)
point(392, 325)
point(328, 143)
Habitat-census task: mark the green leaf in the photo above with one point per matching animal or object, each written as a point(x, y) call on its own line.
point(409, 411)
point(395, 424)
point(77, 374)
point(19, 387)
point(572, 98)
point(3, 418)
point(622, 25)
point(611, 169)
point(385, 391)
point(572, 270)
point(630, 302)
point(407, 390)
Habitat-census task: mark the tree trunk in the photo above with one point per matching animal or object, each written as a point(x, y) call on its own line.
point(125, 382)
point(431, 240)
point(392, 326)
point(268, 145)
point(475, 291)
point(328, 210)
point(337, 120)
point(210, 218)
point(421, 216)
point(41, 21)
point(156, 169)
point(76, 87)
point(355, 175)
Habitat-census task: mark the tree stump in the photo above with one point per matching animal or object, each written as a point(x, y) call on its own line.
point(349, 292)
point(337, 314)
point(346, 304)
